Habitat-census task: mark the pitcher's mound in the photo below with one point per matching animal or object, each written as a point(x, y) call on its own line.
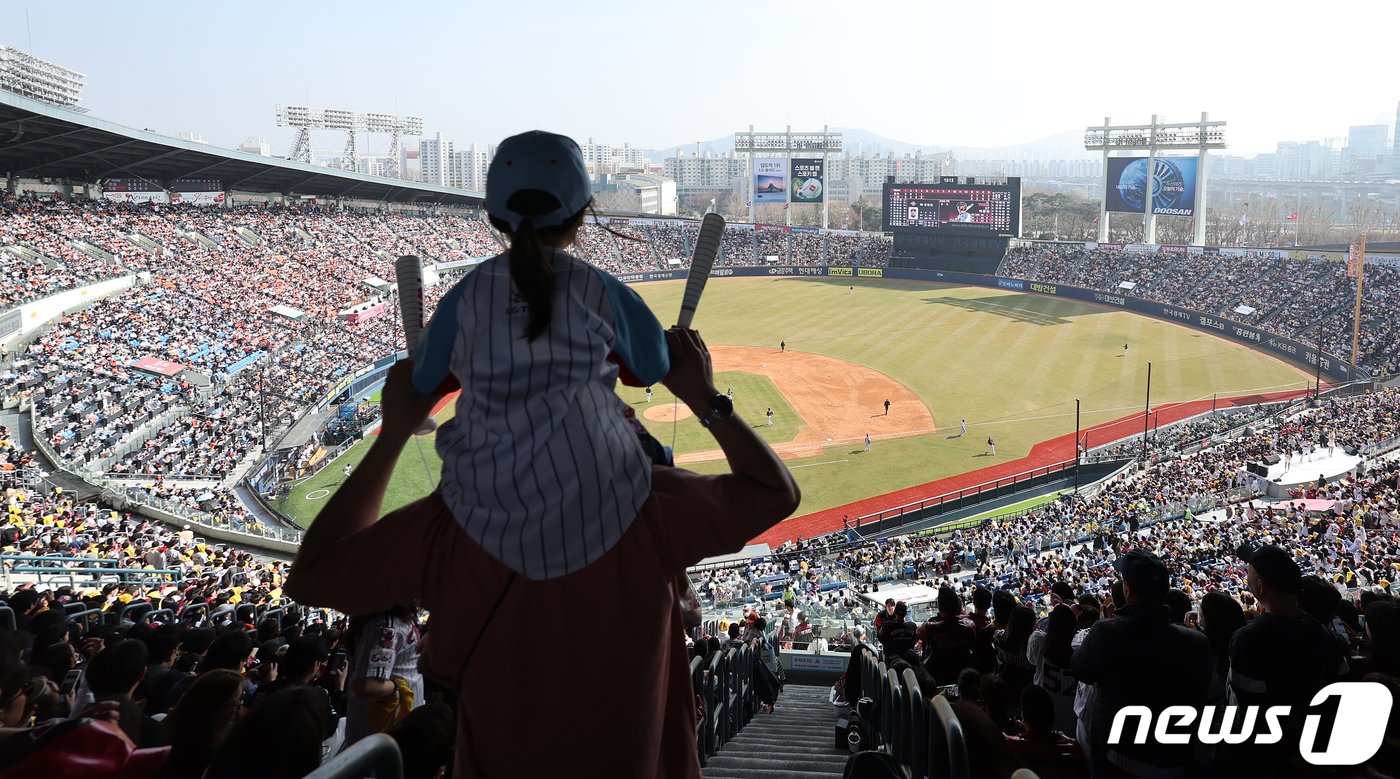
point(666, 412)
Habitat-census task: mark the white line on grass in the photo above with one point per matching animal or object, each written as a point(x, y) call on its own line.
point(813, 465)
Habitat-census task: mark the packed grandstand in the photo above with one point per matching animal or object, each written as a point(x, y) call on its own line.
point(218, 277)
point(145, 571)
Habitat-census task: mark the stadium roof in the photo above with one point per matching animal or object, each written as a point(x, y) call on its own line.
point(38, 140)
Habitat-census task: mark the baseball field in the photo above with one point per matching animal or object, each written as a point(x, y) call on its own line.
point(1010, 364)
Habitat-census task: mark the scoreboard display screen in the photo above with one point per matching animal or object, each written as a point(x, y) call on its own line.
point(984, 208)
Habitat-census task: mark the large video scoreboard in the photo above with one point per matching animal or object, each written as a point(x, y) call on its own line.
point(989, 209)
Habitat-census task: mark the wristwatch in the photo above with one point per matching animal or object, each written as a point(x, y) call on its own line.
point(721, 408)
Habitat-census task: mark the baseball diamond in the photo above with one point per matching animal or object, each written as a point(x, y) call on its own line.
point(1010, 363)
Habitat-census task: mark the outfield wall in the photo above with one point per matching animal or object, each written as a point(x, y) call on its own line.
point(1289, 349)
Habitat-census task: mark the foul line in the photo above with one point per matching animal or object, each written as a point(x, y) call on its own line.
point(813, 465)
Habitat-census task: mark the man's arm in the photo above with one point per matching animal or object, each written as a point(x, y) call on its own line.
point(763, 491)
point(356, 504)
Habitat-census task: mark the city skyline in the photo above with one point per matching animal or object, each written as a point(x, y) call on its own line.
point(225, 84)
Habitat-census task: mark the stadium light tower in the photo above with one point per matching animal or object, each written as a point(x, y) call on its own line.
point(1152, 182)
point(305, 119)
point(38, 79)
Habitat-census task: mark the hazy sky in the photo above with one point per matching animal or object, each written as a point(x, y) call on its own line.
point(659, 74)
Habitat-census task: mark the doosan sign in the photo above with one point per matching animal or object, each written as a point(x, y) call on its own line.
point(1355, 715)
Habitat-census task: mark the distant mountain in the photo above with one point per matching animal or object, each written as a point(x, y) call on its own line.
point(1061, 146)
point(1067, 145)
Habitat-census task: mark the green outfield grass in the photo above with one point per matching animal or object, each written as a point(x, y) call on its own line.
point(1012, 364)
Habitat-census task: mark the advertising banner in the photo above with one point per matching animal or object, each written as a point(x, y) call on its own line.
point(808, 182)
point(137, 197)
point(1172, 184)
point(198, 198)
point(769, 180)
point(158, 366)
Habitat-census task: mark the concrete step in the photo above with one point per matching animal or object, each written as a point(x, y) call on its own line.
point(794, 742)
point(748, 773)
point(762, 765)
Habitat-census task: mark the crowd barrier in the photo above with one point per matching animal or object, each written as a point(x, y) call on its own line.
point(726, 691)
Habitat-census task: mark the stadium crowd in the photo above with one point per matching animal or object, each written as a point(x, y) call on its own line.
point(1011, 631)
point(1002, 588)
point(1305, 299)
point(190, 679)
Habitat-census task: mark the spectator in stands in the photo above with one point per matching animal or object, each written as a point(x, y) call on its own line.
point(984, 653)
point(881, 617)
point(766, 666)
point(733, 632)
point(112, 676)
point(230, 650)
point(285, 732)
point(426, 738)
point(1220, 617)
point(995, 696)
point(1011, 644)
point(1140, 659)
point(385, 683)
point(686, 518)
point(1051, 651)
point(947, 639)
point(804, 633)
point(1383, 629)
point(898, 636)
point(1281, 657)
point(200, 722)
point(162, 644)
point(538, 513)
point(1042, 747)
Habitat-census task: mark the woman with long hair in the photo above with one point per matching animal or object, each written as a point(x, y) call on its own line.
point(1011, 643)
point(201, 720)
point(1221, 616)
point(1051, 651)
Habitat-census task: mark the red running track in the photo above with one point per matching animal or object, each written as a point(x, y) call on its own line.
point(442, 403)
point(1045, 453)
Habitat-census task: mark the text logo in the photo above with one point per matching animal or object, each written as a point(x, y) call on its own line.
point(872, 272)
point(840, 271)
point(1048, 289)
point(1344, 724)
point(1011, 284)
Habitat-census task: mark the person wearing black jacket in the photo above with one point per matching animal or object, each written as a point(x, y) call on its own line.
point(1282, 657)
point(1139, 658)
point(947, 639)
point(898, 635)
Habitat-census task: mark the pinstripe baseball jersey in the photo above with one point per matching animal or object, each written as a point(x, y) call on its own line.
point(541, 465)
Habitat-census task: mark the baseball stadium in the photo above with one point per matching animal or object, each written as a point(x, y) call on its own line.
point(918, 486)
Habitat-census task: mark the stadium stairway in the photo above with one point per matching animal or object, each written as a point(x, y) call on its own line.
point(794, 742)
